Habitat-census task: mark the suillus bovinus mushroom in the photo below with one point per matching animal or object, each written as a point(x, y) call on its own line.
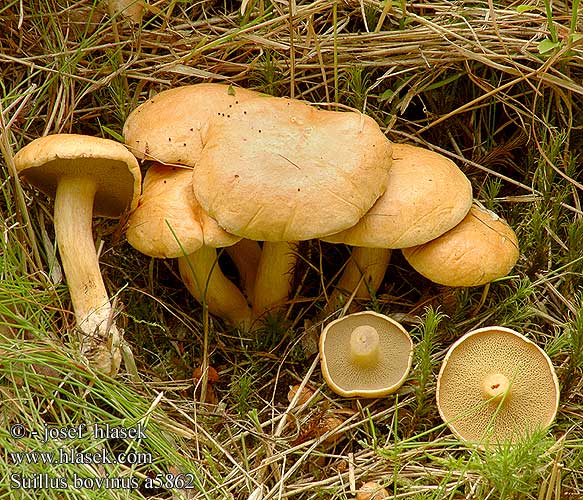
point(365, 354)
point(496, 386)
point(426, 195)
point(480, 249)
point(169, 223)
point(87, 176)
point(280, 171)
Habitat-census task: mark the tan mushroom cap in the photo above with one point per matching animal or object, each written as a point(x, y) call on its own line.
point(365, 354)
point(170, 126)
point(279, 169)
point(496, 386)
point(426, 195)
point(480, 249)
point(44, 161)
point(168, 222)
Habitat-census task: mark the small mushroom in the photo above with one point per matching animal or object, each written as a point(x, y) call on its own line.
point(426, 195)
point(87, 176)
point(169, 223)
point(365, 354)
point(496, 386)
point(480, 249)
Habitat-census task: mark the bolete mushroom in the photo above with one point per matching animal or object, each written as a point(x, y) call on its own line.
point(170, 127)
point(426, 195)
point(496, 386)
point(280, 171)
point(87, 176)
point(169, 223)
point(365, 354)
point(480, 249)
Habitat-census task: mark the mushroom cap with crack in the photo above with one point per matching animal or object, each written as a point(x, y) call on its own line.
point(426, 195)
point(278, 169)
point(496, 386)
point(480, 249)
point(44, 161)
point(168, 221)
point(365, 354)
point(170, 126)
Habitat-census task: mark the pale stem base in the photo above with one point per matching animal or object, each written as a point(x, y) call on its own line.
point(495, 386)
point(204, 279)
point(364, 346)
point(274, 275)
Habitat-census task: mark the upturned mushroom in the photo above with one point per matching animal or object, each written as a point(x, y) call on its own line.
point(496, 386)
point(279, 171)
point(169, 223)
point(480, 249)
point(426, 195)
point(365, 354)
point(87, 176)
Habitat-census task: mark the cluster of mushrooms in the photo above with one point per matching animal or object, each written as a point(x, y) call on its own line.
point(254, 174)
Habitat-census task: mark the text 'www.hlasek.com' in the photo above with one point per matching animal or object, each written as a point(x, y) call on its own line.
point(60, 458)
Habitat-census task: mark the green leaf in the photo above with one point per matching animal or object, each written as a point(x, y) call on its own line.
point(112, 133)
point(547, 45)
point(525, 8)
point(386, 95)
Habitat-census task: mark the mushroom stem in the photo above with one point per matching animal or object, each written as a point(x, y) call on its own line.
point(73, 228)
point(206, 282)
point(246, 255)
point(364, 346)
point(495, 386)
point(274, 274)
point(364, 272)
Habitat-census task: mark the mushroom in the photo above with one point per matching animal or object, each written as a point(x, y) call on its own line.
point(169, 223)
point(87, 176)
point(170, 127)
point(480, 249)
point(426, 195)
point(279, 171)
point(365, 354)
point(496, 386)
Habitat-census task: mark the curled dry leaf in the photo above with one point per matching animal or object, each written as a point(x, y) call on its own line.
point(372, 490)
point(212, 374)
point(131, 9)
point(320, 423)
point(305, 395)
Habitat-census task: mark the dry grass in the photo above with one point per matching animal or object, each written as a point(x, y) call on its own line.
point(495, 86)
